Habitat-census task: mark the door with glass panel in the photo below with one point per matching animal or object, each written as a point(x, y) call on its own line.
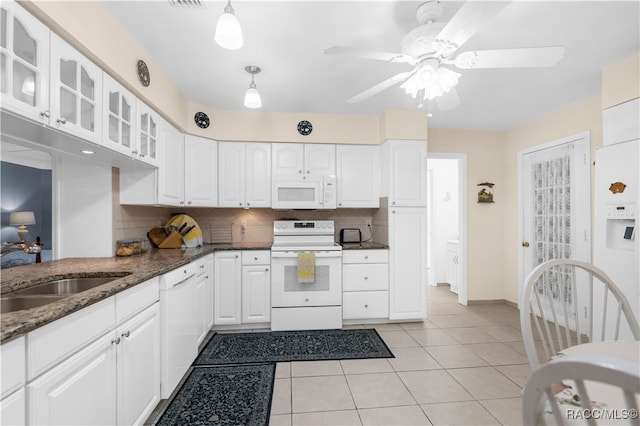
point(556, 216)
point(147, 142)
point(76, 92)
point(24, 63)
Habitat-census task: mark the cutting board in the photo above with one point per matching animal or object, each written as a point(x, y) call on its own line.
point(188, 228)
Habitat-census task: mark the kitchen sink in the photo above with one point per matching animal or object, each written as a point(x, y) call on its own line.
point(67, 286)
point(18, 303)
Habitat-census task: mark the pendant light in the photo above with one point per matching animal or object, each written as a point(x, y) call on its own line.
point(252, 97)
point(228, 31)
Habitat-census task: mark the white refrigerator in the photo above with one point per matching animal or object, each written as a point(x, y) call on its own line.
point(617, 182)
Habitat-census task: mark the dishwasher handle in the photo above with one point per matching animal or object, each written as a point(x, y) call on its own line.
point(176, 277)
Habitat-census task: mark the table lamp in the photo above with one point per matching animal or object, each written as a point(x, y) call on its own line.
point(22, 219)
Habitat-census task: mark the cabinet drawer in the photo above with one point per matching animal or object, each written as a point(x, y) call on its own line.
point(365, 304)
point(49, 345)
point(200, 265)
point(256, 257)
point(359, 277)
point(365, 256)
point(136, 299)
point(13, 356)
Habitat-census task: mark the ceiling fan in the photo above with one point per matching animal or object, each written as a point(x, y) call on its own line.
point(429, 49)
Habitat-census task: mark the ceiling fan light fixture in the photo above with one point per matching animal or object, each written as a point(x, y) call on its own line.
point(228, 31)
point(252, 98)
point(431, 81)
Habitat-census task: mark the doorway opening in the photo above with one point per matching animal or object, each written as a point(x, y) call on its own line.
point(446, 231)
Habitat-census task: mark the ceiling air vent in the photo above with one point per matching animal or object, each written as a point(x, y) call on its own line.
point(186, 3)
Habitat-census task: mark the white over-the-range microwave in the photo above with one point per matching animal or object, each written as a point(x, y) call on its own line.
point(313, 192)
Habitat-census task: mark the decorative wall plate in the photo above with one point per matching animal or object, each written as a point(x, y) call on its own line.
point(202, 120)
point(143, 73)
point(304, 127)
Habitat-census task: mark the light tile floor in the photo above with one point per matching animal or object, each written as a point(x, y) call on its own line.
point(462, 366)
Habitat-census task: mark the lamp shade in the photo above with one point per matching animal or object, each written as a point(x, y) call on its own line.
point(252, 98)
point(22, 218)
point(228, 30)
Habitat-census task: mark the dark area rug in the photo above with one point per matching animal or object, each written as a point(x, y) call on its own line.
point(222, 395)
point(279, 346)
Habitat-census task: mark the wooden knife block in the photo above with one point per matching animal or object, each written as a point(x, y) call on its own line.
point(173, 240)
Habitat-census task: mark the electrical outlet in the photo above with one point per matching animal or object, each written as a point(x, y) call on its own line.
point(367, 223)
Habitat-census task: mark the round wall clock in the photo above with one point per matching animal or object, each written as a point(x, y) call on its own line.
point(202, 120)
point(304, 127)
point(143, 73)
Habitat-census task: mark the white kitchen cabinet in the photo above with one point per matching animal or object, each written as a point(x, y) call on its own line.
point(171, 169)
point(208, 313)
point(358, 176)
point(407, 263)
point(453, 261)
point(148, 133)
point(297, 161)
point(365, 284)
point(12, 381)
point(244, 174)
point(24, 73)
point(256, 286)
point(13, 408)
point(203, 302)
point(119, 117)
point(80, 390)
point(227, 288)
point(98, 376)
point(405, 180)
point(200, 172)
point(138, 366)
point(75, 92)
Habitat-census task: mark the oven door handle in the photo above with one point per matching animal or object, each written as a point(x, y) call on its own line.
point(292, 254)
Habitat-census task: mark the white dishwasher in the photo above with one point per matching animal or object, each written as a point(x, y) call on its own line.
point(179, 326)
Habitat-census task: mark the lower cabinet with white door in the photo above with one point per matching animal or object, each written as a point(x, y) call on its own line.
point(365, 284)
point(100, 365)
point(12, 380)
point(242, 287)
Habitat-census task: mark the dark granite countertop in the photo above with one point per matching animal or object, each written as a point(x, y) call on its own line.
point(141, 267)
point(365, 245)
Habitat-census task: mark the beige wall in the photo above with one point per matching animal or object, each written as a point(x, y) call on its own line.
point(485, 230)
point(621, 81)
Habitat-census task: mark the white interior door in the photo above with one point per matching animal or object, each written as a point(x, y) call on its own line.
point(555, 205)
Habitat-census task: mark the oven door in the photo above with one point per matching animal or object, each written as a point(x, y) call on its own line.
point(286, 291)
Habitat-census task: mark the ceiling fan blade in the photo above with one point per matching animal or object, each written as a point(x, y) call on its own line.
point(369, 54)
point(466, 22)
point(374, 90)
point(448, 101)
point(532, 57)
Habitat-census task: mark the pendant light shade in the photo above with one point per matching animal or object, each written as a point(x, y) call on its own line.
point(252, 97)
point(228, 31)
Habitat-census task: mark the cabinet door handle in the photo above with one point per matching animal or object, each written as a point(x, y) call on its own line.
point(366, 306)
point(189, 202)
point(366, 257)
point(307, 171)
point(266, 269)
point(45, 114)
point(126, 333)
point(366, 278)
point(62, 120)
point(240, 203)
point(248, 204)
point(115, 341)
point(299, 171)
point(393, 203)
point(236, 256)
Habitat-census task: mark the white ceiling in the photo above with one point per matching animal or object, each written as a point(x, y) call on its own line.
point(287, 38)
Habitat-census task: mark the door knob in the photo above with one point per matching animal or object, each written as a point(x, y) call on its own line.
point(525, 244)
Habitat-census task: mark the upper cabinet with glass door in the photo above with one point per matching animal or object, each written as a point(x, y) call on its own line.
point(147, 138)
point(24, 63)
point(76, 92)
point(119, 124)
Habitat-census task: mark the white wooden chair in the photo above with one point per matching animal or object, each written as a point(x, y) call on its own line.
point(541, 406)
point(554, 297)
